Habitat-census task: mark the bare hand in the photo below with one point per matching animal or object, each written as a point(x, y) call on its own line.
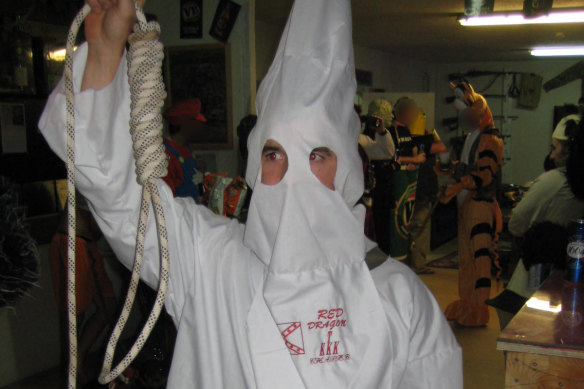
point(107, 28)
point(467, 182)
point(110, 22)
point(421, 158)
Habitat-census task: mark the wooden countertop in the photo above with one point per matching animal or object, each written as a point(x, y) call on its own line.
point(550, 323)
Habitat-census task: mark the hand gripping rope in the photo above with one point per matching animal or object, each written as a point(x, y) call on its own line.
point(147, 92)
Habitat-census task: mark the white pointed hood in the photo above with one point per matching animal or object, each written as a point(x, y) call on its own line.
point(306, 101)
point(317, 289)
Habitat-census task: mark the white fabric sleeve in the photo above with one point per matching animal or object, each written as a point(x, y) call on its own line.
point(105, 175)
point(427, 350)
point(542, 190)
point(435, 358)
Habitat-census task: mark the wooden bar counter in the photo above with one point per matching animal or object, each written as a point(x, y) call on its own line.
point(544, 342)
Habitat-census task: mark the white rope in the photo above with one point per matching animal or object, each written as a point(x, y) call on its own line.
point(147, 98)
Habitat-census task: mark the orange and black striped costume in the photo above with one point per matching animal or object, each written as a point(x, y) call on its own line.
point(479, 216)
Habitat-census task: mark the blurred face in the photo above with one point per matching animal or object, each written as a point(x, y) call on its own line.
point(323, 163)
point(407, 115)
point(557, 155)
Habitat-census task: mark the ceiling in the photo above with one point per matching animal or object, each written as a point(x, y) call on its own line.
point(428, 29)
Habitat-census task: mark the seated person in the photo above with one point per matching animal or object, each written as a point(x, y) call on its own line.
point(553, 201)
point(551, 198)
point(543, 249)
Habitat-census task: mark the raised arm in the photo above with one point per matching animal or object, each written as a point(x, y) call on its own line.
point(105, 176)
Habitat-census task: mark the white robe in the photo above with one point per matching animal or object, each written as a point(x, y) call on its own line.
point(215, 281)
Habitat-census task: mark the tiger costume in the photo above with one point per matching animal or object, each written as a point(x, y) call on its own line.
point(479, 216)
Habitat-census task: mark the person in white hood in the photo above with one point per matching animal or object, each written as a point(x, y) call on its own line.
point(285, 301)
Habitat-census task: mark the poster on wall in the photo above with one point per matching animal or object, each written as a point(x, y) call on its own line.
point(224, 20)
point(191, 19)
point(12, 128)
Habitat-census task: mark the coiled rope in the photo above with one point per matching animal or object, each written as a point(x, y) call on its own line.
point(147, 92)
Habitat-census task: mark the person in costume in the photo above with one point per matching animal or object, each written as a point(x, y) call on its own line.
point(405, 179)
point(429, 142)
point(379, 151)
point(286, 300)
point(479, 216)
point(184, 120)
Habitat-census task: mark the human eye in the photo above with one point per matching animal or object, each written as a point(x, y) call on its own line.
point(315, 156)
point(320, 153)
point(273, 156)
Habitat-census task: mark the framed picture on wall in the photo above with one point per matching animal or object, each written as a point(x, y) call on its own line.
point(204, 72)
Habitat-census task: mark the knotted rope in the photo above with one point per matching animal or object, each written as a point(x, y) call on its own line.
point(147, 98)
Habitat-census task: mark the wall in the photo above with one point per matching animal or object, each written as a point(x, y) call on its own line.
point(531, 131)
point(392, 73)
point(168, 13)
point(389, 73)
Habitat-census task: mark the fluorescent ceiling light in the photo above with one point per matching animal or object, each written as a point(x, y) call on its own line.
point(573, 51)
point(514, 18)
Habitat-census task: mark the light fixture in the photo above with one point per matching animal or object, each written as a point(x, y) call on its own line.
point(559, 51)
point(58, 54)
point(515, 18)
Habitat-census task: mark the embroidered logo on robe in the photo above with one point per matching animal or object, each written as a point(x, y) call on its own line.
point(292, 335)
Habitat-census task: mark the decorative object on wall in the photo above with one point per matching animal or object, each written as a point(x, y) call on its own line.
point(18, 251)
point(191, 19)
point(533, 8)
point(573, 73)
point(530, 90)
point(204, 72)
point(224, 20)
point(364, 77)
point(514, 91)
point(478, 7)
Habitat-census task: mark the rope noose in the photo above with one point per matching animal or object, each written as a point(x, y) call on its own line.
point(147, 93)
